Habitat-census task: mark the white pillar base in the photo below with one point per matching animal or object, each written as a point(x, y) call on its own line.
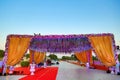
point(45, 65)
point(32, 68)
point(87, 65)
point(32, 73)
point(112, 72)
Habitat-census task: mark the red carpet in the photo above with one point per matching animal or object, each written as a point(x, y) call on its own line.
point(19, 70)
point(48, 73)
point(96, 66)
point(100, 67)
point(22, 70)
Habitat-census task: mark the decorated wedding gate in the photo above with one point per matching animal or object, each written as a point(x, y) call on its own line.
point(82, 45)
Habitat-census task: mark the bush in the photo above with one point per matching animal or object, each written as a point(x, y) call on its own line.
point(94, 58)
point(27, 56)
point(119, 57)
point(24, 63)
point(1, 53)
point(53, 57)
point(66, 58)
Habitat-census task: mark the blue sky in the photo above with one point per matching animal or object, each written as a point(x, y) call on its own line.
point(59, 17)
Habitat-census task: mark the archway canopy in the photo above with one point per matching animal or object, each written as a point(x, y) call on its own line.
point(102, 44)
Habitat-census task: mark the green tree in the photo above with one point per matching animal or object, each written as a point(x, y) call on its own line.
point(63, 57)
point(94, 58)
point(27, 56)
point(24, 63)
point(66, 58)
point(73, 57)
point(53, 57)
point(1, 53)
point(119, 57)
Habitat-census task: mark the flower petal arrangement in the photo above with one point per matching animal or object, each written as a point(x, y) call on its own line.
point(63, 43)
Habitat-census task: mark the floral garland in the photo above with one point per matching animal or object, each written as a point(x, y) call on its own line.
point(55, 40)
point(55, 43)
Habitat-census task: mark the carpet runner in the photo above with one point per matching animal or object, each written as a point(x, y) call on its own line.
point(48, 73)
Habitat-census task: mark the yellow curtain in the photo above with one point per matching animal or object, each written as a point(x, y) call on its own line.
point(84, 56)
point(38, 56)
point(31, 54)
point(16, 49)
point(91, 58)
point(103, 48)
point(81, 56)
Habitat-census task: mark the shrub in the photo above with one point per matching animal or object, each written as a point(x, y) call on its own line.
point(27, 56)
point(119, 57)
point(24, 63)
point(1, 53)
point(94, 58)
point(53, 57)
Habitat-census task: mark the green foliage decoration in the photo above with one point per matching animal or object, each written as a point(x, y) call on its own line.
point(24, 63)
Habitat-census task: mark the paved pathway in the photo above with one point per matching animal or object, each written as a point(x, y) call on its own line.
point(11, 77)
point(69, 71)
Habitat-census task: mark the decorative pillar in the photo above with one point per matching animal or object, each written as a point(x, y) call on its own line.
point(11, 69)
point(32, 65)
point(117, 69)
point(45, 65)
point(88, 59)
point(4, 65)
point(112, 70)
point(5, 56)
point(87, 65)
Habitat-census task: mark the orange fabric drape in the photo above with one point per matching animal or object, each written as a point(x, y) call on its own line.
point(38, 56)
point(103, 49)
point(16, 49)
point(84, 56)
